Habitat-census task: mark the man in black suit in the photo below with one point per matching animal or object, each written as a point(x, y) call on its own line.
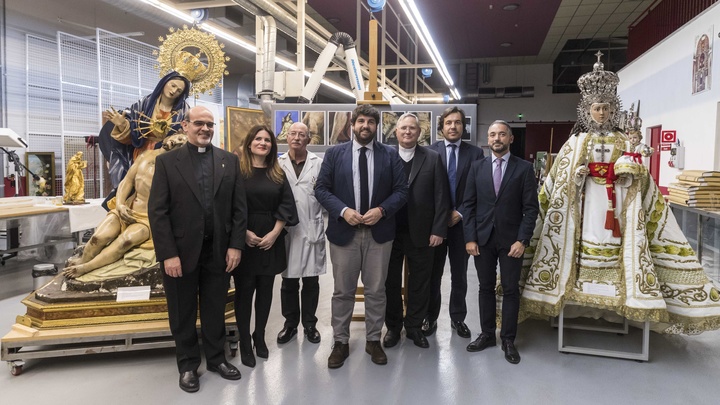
point(457, 156)
point(421, 225)
point(499, 213)
point(198, 219)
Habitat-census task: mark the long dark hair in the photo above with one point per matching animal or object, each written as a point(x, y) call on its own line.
point(275, 172)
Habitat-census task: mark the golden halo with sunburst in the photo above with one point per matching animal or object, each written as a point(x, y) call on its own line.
point(196, 55)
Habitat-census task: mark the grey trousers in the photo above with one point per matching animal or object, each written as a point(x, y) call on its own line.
point(369, 259)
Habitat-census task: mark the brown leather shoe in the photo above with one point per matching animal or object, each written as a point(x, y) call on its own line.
point(375, 350)
point(340, 352)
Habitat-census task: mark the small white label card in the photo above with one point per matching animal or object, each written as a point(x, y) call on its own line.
point(138, 293)
point(599, 289)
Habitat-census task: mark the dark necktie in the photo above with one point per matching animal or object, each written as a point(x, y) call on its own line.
point(364, 185)
point(452, 172)
point(497, 175)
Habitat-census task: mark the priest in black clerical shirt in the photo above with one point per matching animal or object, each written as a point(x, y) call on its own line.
point(198, 218)
point(420, 226)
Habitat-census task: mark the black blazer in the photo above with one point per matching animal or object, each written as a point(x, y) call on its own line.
point(176, 214)
point(428, 197)
point(512, 213)
point(467, 154)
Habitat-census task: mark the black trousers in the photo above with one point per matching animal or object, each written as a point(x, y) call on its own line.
point(510, 267)
point(245, 287)
point(420, 262)
point(181, 293)
point(454, 248)
point(290, 298)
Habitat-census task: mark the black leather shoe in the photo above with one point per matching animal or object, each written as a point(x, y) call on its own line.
point(261, 348)
point(226, 371)
point(286, 335)
point(462, 330)
point(391, 338)
point(340, 352)
point(481, 343)
point(311, 334)
point(189, 381)
point(428, 327)
point(418, 339)
point(376, 352)
point(511, 353)
point(246, 354)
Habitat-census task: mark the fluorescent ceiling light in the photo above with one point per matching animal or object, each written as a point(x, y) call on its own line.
point(455, 93)
point(418, 23)
point(227, 36)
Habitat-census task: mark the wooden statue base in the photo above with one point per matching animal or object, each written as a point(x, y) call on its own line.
point(78, 309)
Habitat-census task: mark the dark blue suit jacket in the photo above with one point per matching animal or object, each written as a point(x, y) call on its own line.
point(512, 213)
point(467, 154)
point(334, 191)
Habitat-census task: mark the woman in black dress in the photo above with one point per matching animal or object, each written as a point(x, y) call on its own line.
point(271, 207)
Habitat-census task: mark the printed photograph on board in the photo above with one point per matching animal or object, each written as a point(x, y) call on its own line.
point(340, 127)
point(283, 120)
point(315, 121)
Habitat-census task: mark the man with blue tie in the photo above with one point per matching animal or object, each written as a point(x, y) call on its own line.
point(457, 156)
point(362, 185)
point(499, 213)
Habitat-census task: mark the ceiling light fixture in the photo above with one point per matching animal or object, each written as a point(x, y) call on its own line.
point(243, 43)
point(506, 44)
point(511, 7)
point(418, 23)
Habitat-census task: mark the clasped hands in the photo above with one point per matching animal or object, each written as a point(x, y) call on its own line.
point(264, 243)
point(516, 250)
point(370, 218)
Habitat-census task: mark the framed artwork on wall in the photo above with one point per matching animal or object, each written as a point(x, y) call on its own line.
point(41, 164)
point(239, 122)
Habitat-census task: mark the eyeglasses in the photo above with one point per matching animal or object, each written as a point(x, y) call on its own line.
point(201, 124)
point(298, 134)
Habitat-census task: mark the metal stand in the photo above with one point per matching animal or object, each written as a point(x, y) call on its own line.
point(623, 329)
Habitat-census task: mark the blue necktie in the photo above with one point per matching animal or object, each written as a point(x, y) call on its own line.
point(364, 185)
point(452, 172)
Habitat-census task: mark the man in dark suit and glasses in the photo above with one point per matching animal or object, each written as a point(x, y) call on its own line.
point(457, 156)
point(421, 225)
point(361, 185)
point(499, 213)
point(198, 218)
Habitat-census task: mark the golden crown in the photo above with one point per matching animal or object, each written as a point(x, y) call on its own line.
point(173, 55)
point(189, 66)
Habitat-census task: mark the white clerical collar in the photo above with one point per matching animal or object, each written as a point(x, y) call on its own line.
point(406, 154)
point(202, 149)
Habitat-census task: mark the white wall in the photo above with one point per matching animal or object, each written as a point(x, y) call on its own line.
point(545, 106)
point(662, 80)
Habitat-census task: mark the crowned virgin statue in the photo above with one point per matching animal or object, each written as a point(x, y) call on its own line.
point(605, 239)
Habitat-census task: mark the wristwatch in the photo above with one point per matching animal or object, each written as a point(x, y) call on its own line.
point(525, 242)
point(382, 210)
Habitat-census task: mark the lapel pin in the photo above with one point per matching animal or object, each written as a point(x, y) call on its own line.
point(223, 165)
